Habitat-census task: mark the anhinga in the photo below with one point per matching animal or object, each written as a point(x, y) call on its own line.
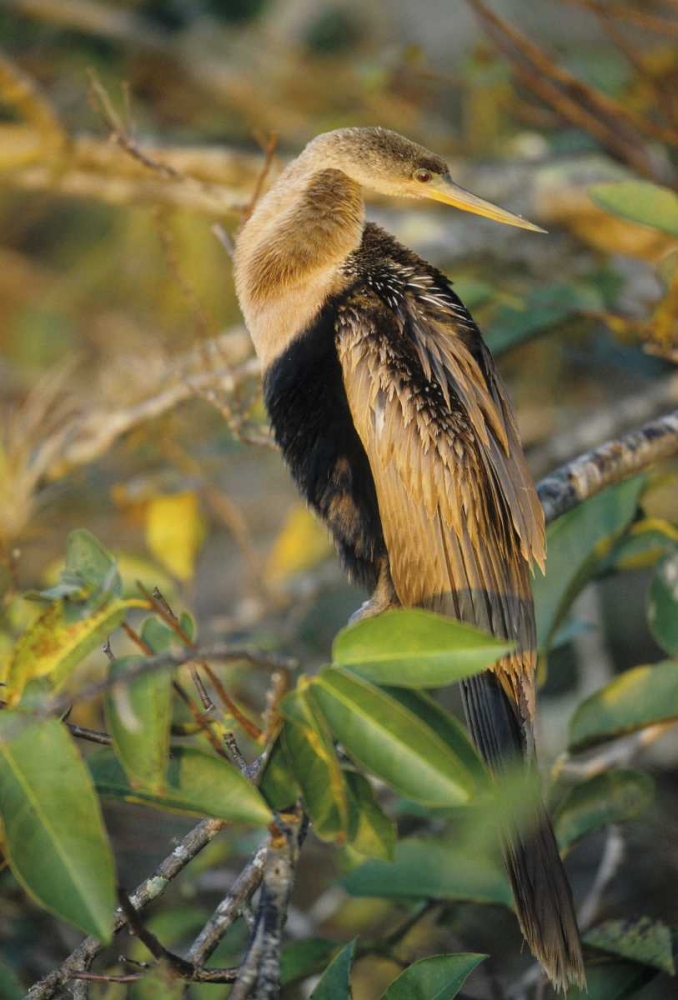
point(397, 429)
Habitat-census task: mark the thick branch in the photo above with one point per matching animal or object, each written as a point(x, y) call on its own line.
point(213, 182)
point(608, 464)
point(259, 974)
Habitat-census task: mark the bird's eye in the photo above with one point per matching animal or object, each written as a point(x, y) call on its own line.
point(423, 176)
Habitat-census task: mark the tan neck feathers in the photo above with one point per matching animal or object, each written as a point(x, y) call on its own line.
point(289, 252)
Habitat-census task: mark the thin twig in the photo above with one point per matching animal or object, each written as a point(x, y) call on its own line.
point(148, 891)
point(219, 653)
point(179, 966)
point(259, 974)
point(163, 609)
point(605, 119)
point(610, 862)
point(120, 134)
point(22, 92)
point(201, 721)
point(91, 735)
point(104, 977)
point(249, 727)
point(606, 18)
point(269, 153)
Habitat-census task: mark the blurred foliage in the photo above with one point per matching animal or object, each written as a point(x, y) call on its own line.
point(130, 405)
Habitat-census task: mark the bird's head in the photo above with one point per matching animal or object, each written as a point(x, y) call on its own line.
point(391, 164)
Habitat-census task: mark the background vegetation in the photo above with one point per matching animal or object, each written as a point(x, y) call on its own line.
point(143, 507)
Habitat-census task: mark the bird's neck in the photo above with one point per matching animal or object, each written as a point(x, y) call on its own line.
point(290, 251)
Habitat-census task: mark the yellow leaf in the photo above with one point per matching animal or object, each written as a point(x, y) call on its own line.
point(175, 531)
point(302, 544)
point(665, 318)
point(53, 646)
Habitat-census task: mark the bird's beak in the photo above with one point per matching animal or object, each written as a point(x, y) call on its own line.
point(444, 189)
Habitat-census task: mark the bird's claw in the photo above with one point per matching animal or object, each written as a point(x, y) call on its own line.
point(368, 609)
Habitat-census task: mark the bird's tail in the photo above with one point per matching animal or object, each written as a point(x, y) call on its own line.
point(541, 889)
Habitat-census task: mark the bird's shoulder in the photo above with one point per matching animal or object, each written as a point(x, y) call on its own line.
point(383, 271)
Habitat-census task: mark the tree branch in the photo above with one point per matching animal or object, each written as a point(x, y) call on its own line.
point(608, 464)
point(259, 974)
point(229, 909)
point(149, 890)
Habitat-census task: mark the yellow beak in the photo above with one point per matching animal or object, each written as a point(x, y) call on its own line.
point(444, 189)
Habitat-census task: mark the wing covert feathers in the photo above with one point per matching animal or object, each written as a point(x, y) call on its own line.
point(460, 515)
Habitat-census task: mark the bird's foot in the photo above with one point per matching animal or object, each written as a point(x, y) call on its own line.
point(375, 606)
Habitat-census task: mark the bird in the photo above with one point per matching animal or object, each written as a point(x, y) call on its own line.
point(395, 425)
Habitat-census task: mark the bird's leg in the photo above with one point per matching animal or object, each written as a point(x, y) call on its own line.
point(383, 598)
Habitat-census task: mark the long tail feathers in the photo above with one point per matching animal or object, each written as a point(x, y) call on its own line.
point(541, 889)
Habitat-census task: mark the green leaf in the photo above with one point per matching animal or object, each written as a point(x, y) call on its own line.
point(610, 797)
point(86, 557)
point(188, 625)
point(391, 741)
point(335, 983)
point(56, 843)
point(445, 725)
point(431, 869)
point(638, 698)
point(88, 578)
point(198, 783)
point(305, 958)
point(53, 646)
point(278, 784)
point(439, 977)
point(610, 980)
point(644, 544)
point(10, 987)
point(641, 939)
point(138, 714)
point(371, 831)
point(639, 201)
point(414, 648)
point(662, 605)
point(156, 634)
point(571, 560)
point(309, 749)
